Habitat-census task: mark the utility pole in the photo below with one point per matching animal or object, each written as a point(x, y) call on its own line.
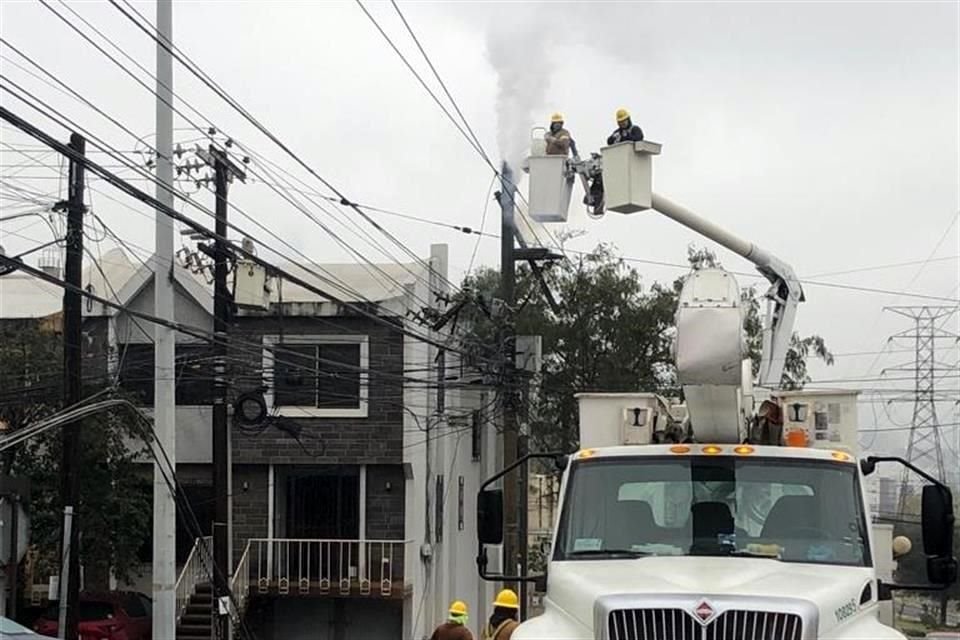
point(164, 385)
point(224, 172)
point(508, 342)
point(72, 370)
point(515, 444)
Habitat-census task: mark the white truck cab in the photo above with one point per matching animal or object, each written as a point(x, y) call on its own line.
point(701, 541)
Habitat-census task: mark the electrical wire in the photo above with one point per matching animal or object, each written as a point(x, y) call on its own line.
point(130, 190)
point(138, 138)
point(194, 69)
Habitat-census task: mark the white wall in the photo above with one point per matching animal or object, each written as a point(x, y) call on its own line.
point(419, 402)
point(450, 573)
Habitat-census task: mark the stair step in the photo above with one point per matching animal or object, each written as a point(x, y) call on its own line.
point(194, 628)
point(196, 618)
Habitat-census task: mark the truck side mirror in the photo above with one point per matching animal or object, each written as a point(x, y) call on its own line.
point(937, 523)
point(490, 516)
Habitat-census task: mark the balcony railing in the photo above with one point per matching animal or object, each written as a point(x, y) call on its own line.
point(365, 568)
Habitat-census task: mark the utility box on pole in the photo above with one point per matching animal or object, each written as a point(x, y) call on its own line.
point(628, 176)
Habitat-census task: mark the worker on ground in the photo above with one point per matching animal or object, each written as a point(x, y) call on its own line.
point(626, 131)
point(558, 139)
point(503, 621)
point(455, 628)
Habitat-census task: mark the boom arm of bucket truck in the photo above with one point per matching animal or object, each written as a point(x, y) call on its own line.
point(784, 295)
point(627, 173)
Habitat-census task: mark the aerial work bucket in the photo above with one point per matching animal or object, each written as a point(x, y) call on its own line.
point(551, 183)
point(628, 175)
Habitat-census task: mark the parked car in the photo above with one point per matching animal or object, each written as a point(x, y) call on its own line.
point(117, 615)
point(943, 635)
point(10, 630)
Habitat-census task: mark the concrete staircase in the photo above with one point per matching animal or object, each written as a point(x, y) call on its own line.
point(196, 623)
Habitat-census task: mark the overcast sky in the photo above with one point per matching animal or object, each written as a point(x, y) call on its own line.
point(826, 132)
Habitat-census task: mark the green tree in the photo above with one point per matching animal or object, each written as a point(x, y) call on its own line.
point(115, 510)
point(795, 374)
point(609, 332)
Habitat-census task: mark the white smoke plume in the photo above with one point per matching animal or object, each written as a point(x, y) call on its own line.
point(517, 50)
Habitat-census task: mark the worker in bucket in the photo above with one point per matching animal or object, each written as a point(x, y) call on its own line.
point(455, 628)
point(503, 620)
point(626, 131)
point(558, 139)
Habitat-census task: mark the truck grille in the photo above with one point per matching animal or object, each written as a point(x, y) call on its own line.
point(677, 624)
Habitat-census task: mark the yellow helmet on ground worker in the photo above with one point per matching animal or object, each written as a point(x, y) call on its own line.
point(507, 599)
point(458, 608)
point(622, 114)
point(556, 117)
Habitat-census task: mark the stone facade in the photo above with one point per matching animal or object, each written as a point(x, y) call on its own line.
point(250, 505)
point(375, 439)
point(385, 502)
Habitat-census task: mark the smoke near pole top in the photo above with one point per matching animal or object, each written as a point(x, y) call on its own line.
point(517, 50)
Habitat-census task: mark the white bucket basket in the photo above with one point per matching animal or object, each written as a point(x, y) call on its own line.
point(628, 175)
point(551, 186)
point(551, 182)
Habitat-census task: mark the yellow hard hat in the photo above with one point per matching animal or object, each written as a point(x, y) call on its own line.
point(557, 117)
point(622, 114)
point(507, 599)
point(458, 608)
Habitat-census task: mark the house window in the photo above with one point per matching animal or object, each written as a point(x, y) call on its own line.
point(193, 370)
point(317, 376)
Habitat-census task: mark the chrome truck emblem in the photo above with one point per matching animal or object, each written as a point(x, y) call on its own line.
point(704, 612)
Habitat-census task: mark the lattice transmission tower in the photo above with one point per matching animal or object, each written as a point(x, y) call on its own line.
point(925, 446)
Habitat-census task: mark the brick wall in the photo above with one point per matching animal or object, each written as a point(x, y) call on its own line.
point(385, 502)
point(376, 439)
point(249, 505)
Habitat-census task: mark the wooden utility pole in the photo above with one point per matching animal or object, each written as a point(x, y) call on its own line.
point(72, 372)
point(224, 172)
point(508, 342)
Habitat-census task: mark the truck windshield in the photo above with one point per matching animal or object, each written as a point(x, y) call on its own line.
point(789, 510)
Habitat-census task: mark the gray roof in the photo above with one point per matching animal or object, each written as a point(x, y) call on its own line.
point(24, 296)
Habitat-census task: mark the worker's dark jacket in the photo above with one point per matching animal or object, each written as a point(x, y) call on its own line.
point(631, 134)
point(451, 631)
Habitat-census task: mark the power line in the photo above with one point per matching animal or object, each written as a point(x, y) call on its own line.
point(132, 134)
point(475, 145)
point(130, 190)
point(443, 85)
point(194, 69)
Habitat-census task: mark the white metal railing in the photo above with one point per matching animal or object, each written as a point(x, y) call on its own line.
point(321, 567)
point(197, 570)
point(240, 583)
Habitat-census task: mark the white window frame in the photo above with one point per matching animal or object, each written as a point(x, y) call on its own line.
point(362, 411)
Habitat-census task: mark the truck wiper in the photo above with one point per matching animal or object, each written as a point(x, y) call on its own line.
point(612, 553)
point(743, 553)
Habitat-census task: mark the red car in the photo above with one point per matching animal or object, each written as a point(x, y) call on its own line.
point(118, 615)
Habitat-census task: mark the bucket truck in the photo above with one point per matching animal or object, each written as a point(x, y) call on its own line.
point(739, 514)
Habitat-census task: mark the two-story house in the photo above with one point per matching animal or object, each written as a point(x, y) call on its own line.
point(353, 511)
point(343, 525)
